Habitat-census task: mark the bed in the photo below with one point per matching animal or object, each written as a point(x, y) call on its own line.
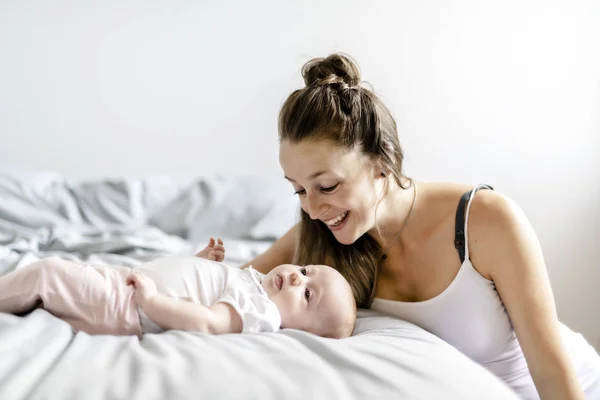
point(131, 221)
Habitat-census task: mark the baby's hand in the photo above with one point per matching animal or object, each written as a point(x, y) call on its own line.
point(214, 251)
point(145, 288)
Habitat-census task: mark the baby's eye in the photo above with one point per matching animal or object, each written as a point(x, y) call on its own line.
point(307, 294)
point(303, 271)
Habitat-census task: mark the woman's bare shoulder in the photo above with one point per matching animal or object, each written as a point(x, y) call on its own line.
point(439, 200)
point(493, 208)
point(442, 191)
point(495, 221)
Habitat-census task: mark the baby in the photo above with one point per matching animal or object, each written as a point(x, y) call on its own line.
point(184, 293)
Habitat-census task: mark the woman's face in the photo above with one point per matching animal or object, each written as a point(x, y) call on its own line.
point(336, 186)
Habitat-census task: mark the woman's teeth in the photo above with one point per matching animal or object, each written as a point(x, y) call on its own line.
point(337, 220)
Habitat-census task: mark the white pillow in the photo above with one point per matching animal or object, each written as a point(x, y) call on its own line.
point(235, 206)
point(278, 220)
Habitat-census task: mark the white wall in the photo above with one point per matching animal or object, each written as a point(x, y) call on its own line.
point(506, 93)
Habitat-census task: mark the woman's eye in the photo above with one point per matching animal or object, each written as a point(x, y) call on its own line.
point(300, 192)
point(303, 271)
point(307, 294)
point(329, 189)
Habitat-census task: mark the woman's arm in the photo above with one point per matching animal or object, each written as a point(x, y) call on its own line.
point(281, 252)
point(169, 313)
point(504, 248)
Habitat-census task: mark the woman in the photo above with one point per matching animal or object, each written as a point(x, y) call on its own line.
point(464, 264)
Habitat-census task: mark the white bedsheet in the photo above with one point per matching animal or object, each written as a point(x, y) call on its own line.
point(115, 223)
point(40, 358)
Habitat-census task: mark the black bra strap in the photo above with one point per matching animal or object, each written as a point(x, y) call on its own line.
point(459, 232)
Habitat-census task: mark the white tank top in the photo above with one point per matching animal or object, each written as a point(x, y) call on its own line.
point(470, 316)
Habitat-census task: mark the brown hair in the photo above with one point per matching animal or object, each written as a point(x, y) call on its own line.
point(334, 106)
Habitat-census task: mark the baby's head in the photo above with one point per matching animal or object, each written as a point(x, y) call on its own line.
point(313, 298)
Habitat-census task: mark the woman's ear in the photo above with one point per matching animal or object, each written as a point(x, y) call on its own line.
point(381, 173)
point(381, 170)
point(378, 172)
point(378, 168)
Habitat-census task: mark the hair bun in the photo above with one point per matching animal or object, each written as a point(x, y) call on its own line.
point(337, 69)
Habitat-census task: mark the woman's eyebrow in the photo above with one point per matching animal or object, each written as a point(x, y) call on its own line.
point(313, 176)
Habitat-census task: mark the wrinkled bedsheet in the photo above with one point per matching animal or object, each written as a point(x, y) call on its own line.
point(129, 222)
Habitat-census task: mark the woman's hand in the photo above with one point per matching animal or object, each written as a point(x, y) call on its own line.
point(145, 288)
point(214, 251)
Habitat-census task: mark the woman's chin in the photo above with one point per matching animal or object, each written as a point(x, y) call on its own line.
point(346, 242)
point(345, 238)
point(346, 233)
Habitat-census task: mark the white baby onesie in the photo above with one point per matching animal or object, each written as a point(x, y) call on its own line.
point(207, 282)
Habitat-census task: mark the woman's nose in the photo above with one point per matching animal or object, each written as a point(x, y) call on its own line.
point(313, 207)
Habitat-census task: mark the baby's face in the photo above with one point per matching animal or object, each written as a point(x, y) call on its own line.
point(313, 298)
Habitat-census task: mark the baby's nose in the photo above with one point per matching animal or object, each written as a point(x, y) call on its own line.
point(294, 279)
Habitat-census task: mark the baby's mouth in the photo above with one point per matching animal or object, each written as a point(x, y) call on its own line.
point(278, 281)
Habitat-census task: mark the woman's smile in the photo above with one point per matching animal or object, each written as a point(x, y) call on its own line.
point(338, 222)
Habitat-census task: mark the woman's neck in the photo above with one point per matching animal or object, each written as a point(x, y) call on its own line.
point(393, 212)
